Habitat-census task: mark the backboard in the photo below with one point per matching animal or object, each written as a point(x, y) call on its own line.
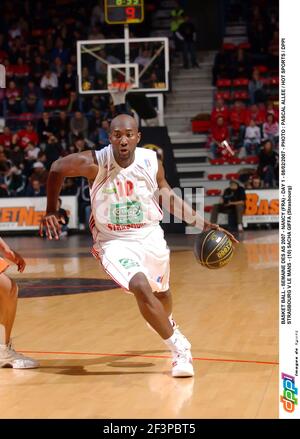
point(142, 61)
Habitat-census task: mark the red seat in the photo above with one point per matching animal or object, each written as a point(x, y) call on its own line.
point(233, 160)
point(200, 126)
point(240, 82)
point(27, 116)
point(261, 68)
point(213, 192)
point(232, 176)
point(37, 33)
point(240, 95)
point(251, 160)
point(50, 103)
point(223, 95)
point(208, 208)
point(244, 46)
point(215, 176)
point(274, 81)
point(63, 102)
point(217, 161)
point(223, 83)
point(229, 46)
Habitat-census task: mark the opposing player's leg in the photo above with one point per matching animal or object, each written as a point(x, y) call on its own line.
point(155, 314)
point(8, 306)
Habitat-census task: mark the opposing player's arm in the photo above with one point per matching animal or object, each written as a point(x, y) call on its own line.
point(179, 208)
point(81, 164)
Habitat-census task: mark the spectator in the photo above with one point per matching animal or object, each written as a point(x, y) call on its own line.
point(15, 182)
point(60, 52)
point(35, 189)
point(256, 113)
point(240, 65)
point(271, 108)
point(26, 136)
point(177, 14)
point(13, 98)
point(79, 125)
point(103, 136)
point(38, 68)
point(74, 103)
point(62, 122)
point(6, 138)
point(69, 187)
point(39, 173)
point(143, 59)
point(254, 182)
point(63, 218)
point(271, 129)
point(45, 127)
point(31, 152)
point(53, 150)
point(273, 50)
point(68, 80)
point(268, 165)
point(252, 138)
point(49, 84)
point(219, 133)
point(233, 203)
point(221, 66)
point(186, 33)
point(219, 110)
point(32, 102)
point(256, 88)
point(58, 68)
point(238, 120)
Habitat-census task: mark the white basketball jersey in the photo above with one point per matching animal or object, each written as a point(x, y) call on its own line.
point(123, 200)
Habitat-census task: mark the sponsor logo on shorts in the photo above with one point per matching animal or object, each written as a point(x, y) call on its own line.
point(128, 263)
point(159, 279)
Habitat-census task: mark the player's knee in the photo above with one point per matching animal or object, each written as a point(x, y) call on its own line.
point(9, 290)
point(139, 286)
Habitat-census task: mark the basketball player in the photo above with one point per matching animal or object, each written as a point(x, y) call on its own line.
point(8, 305)
point(128, 240)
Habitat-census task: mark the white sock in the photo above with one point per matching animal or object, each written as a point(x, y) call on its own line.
point(173, 343)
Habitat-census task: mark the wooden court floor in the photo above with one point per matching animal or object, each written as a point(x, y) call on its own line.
point(99, 360)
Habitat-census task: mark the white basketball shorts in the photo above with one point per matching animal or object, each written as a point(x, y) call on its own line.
point(123, 258)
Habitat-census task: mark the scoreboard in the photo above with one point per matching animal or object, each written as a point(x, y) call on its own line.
point(124, 11)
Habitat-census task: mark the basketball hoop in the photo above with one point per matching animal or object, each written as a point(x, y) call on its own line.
point(118, 91)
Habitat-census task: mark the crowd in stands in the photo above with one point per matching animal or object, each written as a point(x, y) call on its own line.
point(246, 113)
point(42, 116)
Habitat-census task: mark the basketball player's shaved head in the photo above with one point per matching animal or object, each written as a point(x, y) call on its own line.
point(123, 121)
point(124, 137)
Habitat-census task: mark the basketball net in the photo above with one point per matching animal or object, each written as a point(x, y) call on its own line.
point(118, 91)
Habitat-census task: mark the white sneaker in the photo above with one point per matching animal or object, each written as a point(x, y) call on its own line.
point(182, 365)
point(10, 358)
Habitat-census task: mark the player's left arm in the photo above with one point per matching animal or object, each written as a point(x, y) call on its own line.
point(179, 208)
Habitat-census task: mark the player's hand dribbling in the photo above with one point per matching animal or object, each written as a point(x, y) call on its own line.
point(51, 223)
point(209, 226)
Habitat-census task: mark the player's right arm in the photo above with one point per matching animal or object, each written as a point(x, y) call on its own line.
point(81, 164)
